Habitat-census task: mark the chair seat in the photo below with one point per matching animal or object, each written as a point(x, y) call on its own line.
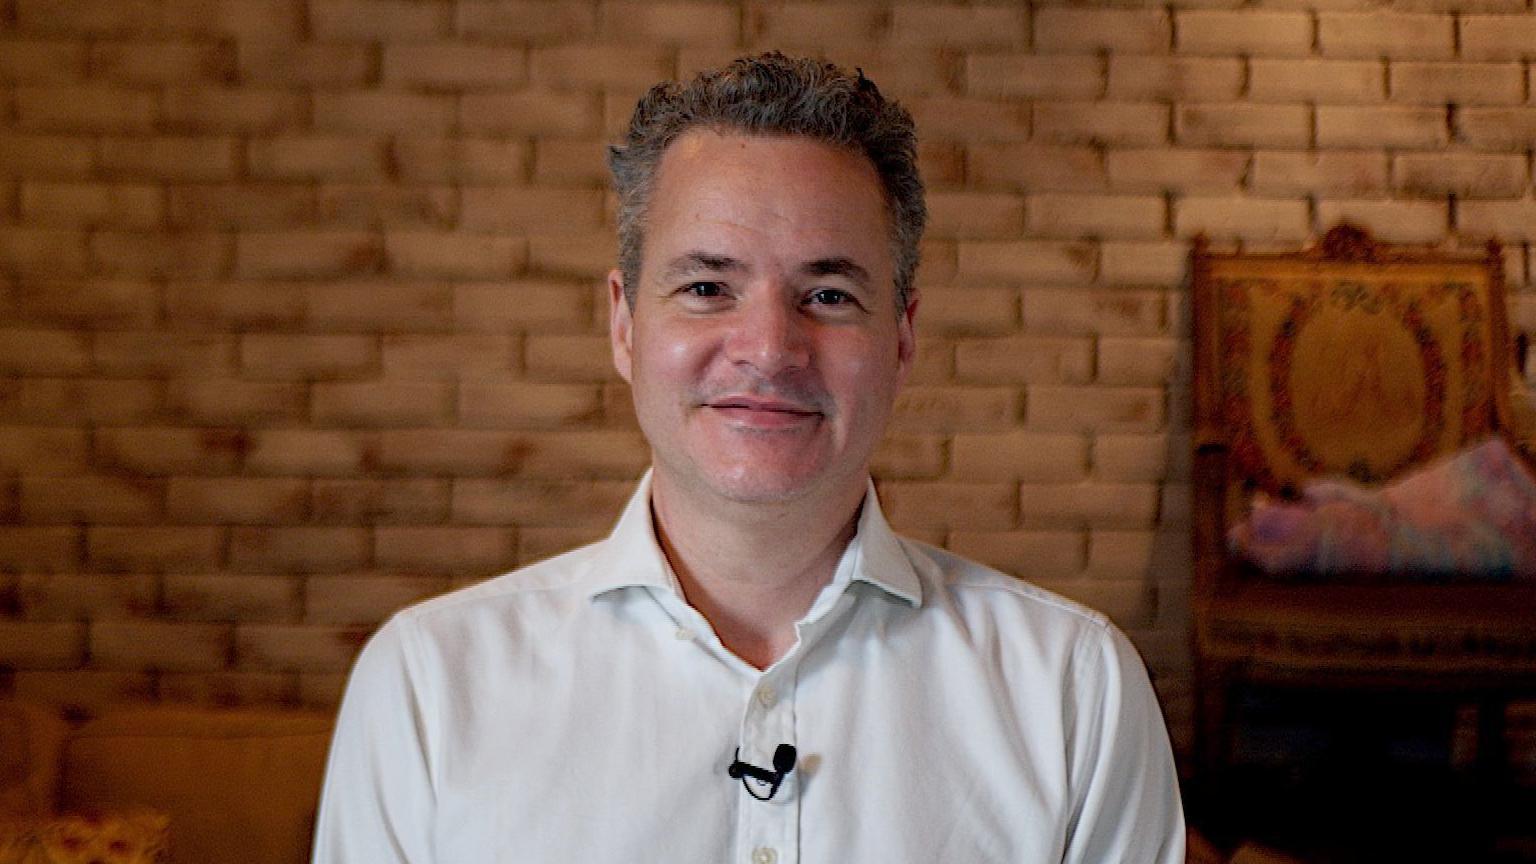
point(1443, 637)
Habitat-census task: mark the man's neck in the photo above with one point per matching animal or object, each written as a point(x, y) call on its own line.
point(753, 570)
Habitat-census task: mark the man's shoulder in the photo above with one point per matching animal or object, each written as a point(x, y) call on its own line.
point(546, 583)
point(973, 586)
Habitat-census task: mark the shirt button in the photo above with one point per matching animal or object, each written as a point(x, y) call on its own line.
point(767, 698)
point(683, 634)
point(764, 855)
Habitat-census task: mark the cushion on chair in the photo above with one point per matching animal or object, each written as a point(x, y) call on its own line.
point(129, 838)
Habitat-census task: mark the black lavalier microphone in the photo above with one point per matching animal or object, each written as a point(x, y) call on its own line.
point(783, 763)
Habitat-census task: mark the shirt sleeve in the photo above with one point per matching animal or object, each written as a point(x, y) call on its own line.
point(378, 800)
point(1124, 780)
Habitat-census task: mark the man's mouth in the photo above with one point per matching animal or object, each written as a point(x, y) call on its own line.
point(763, 413)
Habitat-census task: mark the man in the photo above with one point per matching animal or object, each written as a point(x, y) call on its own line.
point(752, 667)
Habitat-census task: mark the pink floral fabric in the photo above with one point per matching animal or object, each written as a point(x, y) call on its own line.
point(1471, 515)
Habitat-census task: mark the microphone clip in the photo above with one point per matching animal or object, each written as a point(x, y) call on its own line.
point(783, 763)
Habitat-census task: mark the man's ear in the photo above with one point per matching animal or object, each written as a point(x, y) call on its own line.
point(621, 324)
point(906, 334)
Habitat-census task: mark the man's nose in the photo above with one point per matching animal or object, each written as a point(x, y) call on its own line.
point(769, 334)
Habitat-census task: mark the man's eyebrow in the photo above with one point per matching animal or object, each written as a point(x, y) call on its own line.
point(693, 262)
point(844, 267)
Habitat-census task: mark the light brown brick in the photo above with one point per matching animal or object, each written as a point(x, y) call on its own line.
point(956, 25)
point(1030, 554)
point(973, 121)
point(1497, 128)
point(814, 25)
point(1071, 216)
point(88, 303)
point(545, 211)
point(671, 23)
point(453, 66)
point(1327, 82)
point(1395, 35)
point(1498, 37)
point(974, 214)
point(152, 547)
point(79, 688)
point(539, 502)
point(62, 500)
point(39, 547)
point(1087, 504)
point(1141, 360)
point(1128, 263)
point(1459, 82)
point(1390, 221)
point(43, 449)
point(43, 352)
point(531, 21)
point(158, 352)
point(304, 63)
point(1032, 76)
point(1194, 79)
point(1251, 32)
point(569, 358)
point(1238, 124)
point(381, 403)
point(232, 400)
point(1324, 172)
point(446, 549)
point(454, 255)
point(246, 19)
point(230, 109)
point(253, 205)
point(85, 108)
point(39, 61)
point(569, 163)
point(86, 17)
point(320, 452)
point(1035, 167)
point(74, 596)
point(1026, 261)
point(1466, 175)
point(295, 646)
point(178, 255)
point(968, 310)
point(298, 549)
point(164, 62)
point(951, 408)
point(91, 205)
point(1133, 458)
point(169, 450)
point(381, 112)
point(447, 356)
point(223, 690)
point(234, 305)
point(908, 457)
point(628, 66)
point(1016, 455)
point(42, 644)
point(1242, 217)
point(170, 158)
point(1097, 311)
point(149, 644)
point(1182, 170)
point(284, 254)
point(1511, 221)
point(308, 355)
point(545, 306)
point(1068, 30)
point(597, 454)
point(316, 157)
point(447, 451)
point(79, 400)
point(949, 506)
point(370, 306)
point(463, 160)
point(379, 20)
point(231, 597)
point(45, 156)
point(364, 599)
point(237, 500)
point(50, 252)
point(351, 500)
point(527, 405)
point(1100, 122)
point(1025, 359)
point(1094, 409)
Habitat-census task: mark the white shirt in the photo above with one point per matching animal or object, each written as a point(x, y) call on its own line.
point(579, 710)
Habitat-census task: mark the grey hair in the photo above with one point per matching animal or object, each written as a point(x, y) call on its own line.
point(774, 95)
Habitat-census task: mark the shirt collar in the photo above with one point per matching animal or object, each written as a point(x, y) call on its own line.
point(631, 556)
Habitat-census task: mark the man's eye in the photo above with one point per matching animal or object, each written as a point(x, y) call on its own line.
point(831, 297)
point(703, 289)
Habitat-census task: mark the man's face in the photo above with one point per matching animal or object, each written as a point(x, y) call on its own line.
point(765, 345)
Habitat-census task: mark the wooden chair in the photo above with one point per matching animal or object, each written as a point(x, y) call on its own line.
point(1362, 360)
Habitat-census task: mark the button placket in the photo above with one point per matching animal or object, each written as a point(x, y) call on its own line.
point(768, 831)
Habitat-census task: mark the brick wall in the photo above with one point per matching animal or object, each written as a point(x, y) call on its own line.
point(301, 316)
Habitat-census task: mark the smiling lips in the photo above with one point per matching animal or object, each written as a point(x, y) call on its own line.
point(764, 414)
